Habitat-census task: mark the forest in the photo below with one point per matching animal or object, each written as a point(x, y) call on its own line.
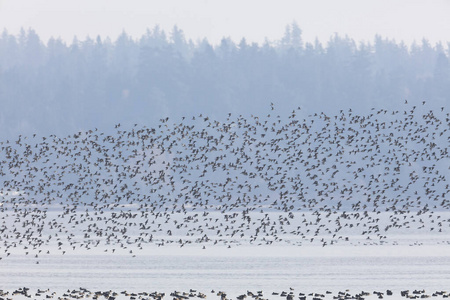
point(54, 87)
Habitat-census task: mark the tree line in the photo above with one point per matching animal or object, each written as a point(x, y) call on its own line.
point(55, 87)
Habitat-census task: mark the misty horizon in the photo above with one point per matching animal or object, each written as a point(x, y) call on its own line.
point(277, 40)
point(59, 88)
point(255, 20)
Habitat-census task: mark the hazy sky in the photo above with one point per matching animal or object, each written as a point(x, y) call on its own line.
point(406, 20)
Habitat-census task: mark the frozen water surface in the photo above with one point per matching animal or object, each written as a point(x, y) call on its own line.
point(238, 270)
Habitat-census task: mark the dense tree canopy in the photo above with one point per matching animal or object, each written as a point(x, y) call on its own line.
point(56, 88)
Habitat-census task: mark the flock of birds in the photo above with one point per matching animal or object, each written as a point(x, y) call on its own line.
point(83, 293)
point(300, 179)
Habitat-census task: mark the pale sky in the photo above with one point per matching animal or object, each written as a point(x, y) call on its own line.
point(255, 20)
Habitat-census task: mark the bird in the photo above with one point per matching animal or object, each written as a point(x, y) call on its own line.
point(322, 179)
